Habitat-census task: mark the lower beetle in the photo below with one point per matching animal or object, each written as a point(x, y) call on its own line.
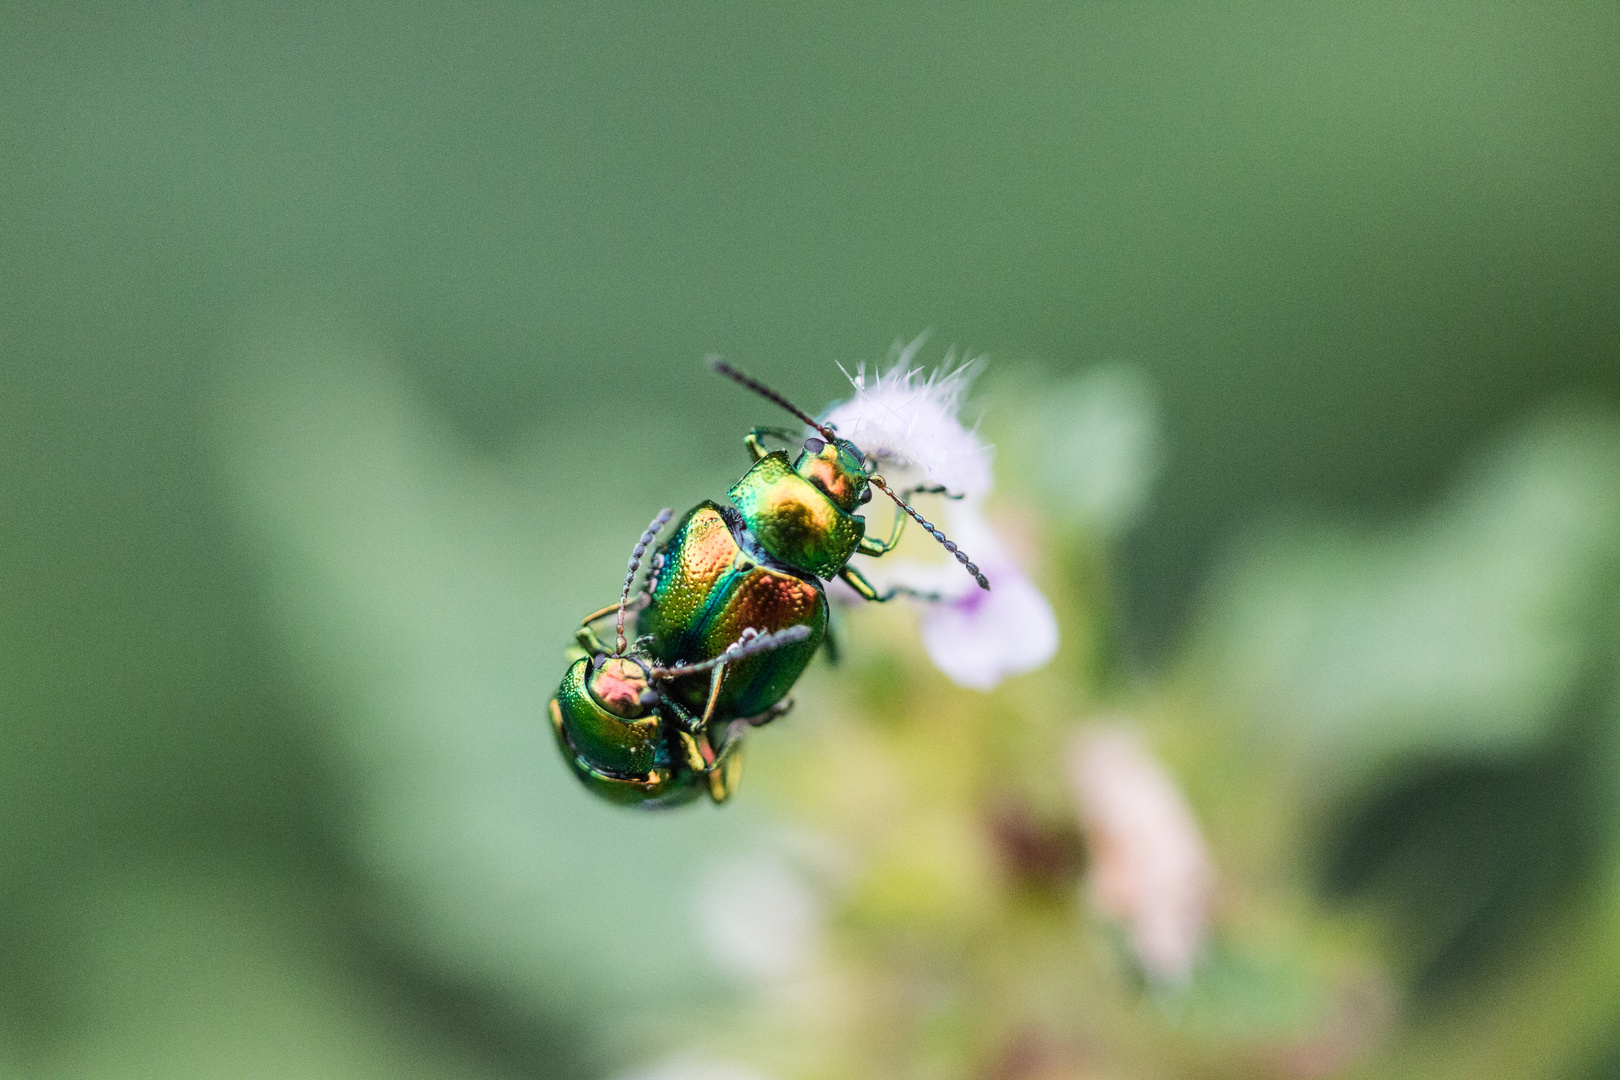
point(731, 612)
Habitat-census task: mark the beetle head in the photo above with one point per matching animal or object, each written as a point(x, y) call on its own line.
point(620, 685)
point(838, 468)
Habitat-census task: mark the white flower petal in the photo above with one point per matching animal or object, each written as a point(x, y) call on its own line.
point(1150, 868)
point(758, 918)
point(976, 637)
point(903, 418)
point(984, 637)
point(909, 423)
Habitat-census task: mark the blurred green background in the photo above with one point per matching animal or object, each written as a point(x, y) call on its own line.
point(298, 304)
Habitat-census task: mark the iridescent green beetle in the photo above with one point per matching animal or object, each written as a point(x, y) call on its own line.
point(732, 611)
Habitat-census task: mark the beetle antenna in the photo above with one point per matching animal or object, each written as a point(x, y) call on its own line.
point(767, 393)
point(630, 575)
point(961, 556)
point(750, 642)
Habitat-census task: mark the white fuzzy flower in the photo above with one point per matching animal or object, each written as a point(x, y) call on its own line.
point(758, 918)
point(909, 423)
point(1149, 867)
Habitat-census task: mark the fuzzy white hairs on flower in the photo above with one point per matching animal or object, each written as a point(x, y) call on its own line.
point(905, 418)
point(908, 421)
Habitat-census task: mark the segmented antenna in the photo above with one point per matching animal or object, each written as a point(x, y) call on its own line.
point(832, 436)
point(771, 395)
point(751, 642)
point(630, 575)
point(961, 556)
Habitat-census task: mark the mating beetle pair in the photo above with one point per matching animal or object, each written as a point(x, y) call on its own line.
point(732, 611)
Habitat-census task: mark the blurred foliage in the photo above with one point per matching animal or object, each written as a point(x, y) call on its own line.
point(345, 349)
point(1440, 904)
point(1467, 633)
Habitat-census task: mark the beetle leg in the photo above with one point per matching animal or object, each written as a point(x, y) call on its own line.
point(722, 771)
point(929, 489)
point(855, 580)
point(725, 768)
point(756, 449)
point(694, 730)
point(714, 692)
point(699, 754)
point(694, 741)
point(829, 645)
point(871, 546)
point(756, 444)
point(726, 771)
point(781, 708)
point(586, 636)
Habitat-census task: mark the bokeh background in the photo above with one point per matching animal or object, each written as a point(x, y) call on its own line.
point(345, 349)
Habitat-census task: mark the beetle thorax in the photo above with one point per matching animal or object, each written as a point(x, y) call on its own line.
point(794, 519)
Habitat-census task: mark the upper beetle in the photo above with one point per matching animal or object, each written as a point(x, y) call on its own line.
point(732, 610)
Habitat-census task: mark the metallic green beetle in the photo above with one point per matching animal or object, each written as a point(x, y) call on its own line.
point(731, 613)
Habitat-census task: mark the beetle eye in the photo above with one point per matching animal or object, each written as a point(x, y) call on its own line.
point(866, 496)
point(815, 446)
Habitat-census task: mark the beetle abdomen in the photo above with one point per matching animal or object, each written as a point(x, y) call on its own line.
point(710, 590)
point(767, 600)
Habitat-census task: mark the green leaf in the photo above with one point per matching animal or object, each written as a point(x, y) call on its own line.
point(1463, 631)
